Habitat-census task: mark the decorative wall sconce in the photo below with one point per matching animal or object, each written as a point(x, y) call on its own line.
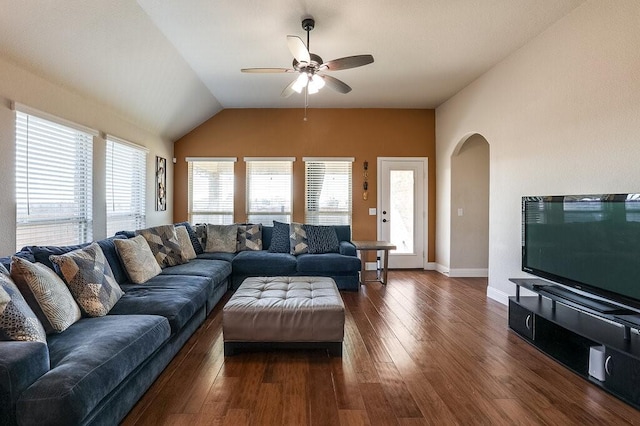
point(365, 184)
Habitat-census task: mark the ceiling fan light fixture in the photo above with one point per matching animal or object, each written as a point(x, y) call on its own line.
point(317, 81)
point(301, 83)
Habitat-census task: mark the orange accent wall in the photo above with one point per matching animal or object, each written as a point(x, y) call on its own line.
point(364, 134)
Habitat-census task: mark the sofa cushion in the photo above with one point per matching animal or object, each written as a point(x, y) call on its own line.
point(47, 295)
point(175, 297)
point(111, 254)
point(17, 320)
point(195, 241)
point(298, 239)
point(188, 252)
point(322, 239)
point(138, 259)
point(263, 263)
point(89, 277)
point(217, 256)
point(88, 361)
point(222, 238)
point(164, 244)
point(42, 253)
point(249, 237)
point(327, 263)
point(280, 238)
point(218, 270)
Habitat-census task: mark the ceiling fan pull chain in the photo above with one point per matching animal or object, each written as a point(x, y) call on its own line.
point(306, 102)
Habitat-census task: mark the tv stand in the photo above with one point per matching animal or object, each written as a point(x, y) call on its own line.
point(566, 325)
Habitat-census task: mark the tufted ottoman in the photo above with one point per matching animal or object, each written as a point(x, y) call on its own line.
point(289, 312)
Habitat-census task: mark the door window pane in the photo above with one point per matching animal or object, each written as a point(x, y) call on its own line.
point(401, 214)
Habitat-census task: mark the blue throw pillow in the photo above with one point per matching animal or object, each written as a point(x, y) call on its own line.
point(322, 239)
point(280, 238)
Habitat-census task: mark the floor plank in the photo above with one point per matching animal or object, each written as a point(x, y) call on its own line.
point(423, 350)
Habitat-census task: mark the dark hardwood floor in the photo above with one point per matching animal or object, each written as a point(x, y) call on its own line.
point(426, 349)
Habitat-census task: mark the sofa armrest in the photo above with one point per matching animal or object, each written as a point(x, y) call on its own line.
point(347, 248)
point(21, 364)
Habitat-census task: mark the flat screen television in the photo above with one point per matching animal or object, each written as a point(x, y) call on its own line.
point(590, 243)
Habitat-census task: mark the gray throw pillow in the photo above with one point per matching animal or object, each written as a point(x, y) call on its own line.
point(322, 239)
point(222, 238)
point(17, 320)
point(298, 239)
point(89, 277)
point(46, 294)
point(249, 237)
point(137, 258)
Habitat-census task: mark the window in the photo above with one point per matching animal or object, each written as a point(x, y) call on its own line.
point(211, 190)
point(126, 170)
point(328, 191)
point(53, 180)
point(269, 188)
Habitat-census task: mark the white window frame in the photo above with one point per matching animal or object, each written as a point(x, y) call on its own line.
point(202, 210)
point(52, 207)
point(125, 181)
point(317, 211)
point(258, 212)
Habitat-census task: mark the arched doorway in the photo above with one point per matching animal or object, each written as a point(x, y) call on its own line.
point(469, 256)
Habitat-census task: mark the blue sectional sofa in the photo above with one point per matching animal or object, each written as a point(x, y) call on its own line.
point(95, 371)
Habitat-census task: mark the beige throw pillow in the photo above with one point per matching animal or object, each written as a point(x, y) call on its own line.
point(46, 294)
point(137, 258)
point(188, 252)
point(222, 238)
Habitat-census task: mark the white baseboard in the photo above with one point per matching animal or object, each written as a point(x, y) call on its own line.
point(370, 266)
point(469, 272)
point(431, 266)
point(444, 270)
point(497, 295)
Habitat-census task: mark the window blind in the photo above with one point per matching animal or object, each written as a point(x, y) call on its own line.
point(126, 170)
point(328, 192)
point(53, 183)
point(269, 190)
point(211, 191)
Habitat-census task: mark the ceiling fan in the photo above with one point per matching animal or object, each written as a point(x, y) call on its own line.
point(311, 68)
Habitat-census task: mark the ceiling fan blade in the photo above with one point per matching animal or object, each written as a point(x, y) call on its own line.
point(347, 62)
point(288, 91)
point(267, 70)
point(335, 84)
point(298, 49)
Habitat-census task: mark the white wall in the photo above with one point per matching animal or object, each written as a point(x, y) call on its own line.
point(19, 85)
point(561, 115)
point(470, 196)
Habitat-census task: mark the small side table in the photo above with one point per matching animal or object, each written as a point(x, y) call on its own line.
point(363, 246)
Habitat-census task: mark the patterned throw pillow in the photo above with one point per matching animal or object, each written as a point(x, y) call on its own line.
point(298, 239)
point(188, 252)
point(89, 277)
point(17, 320)
point(322, 239)
point(193, 236)
point(280, 238)
point(164, 245)
point(137, 259)
point(46, 294)
point(222, 238)
point(249, 237)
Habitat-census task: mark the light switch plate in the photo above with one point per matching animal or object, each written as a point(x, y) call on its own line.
point(373, 211)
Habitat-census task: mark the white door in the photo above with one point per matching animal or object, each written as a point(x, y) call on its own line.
point(402, 213)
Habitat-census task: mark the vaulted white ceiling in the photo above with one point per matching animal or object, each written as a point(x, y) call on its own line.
point(169, 65)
